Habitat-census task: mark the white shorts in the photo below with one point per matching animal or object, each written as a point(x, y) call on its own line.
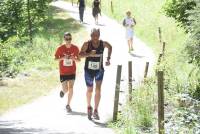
point(129, 34)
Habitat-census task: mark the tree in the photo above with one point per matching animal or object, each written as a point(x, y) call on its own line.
point(187, 14)
point(193, 43)
point(11, 18)
point(178, 9)
point(19, 17)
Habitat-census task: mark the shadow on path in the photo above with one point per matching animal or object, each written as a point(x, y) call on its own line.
point(77, 113)
point(137, 56)
point(9, 127)
point(100, 24)
point(99, 124)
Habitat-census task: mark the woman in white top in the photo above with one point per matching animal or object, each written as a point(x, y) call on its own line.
point(129, 23)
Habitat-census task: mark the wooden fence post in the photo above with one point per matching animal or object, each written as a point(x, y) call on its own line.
point(72, 2)
point(161, 102)
point(163, 48)
point(160, 34)
point(117, 90)
point(146, 70)
point(159, 58)
point(130, 79)
point(111, 6)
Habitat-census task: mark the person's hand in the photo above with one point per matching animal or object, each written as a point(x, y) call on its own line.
point(108, 63)
point(93, 53)
point(72, 57)
point(64, 57)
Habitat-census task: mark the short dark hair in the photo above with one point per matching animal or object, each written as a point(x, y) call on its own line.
point(67, 34)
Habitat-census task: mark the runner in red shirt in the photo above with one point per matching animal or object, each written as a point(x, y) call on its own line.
point(67, 54)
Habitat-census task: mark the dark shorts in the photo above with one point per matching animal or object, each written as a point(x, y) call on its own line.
point(96, 11)
point(91, 75)
point(67, 77)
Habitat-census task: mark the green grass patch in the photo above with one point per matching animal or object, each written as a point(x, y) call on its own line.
point(138, 115)
point(23, 89)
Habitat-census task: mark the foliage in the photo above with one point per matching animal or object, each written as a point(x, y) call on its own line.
point(187, 13)
point(14, 16)
point(137, 115)
point(13, 32)
point(11, 58)
point(193, 43)
point(178, 9)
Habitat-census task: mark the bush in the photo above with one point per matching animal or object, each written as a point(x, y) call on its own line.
point(11, 58)
point(187, 14)
point(178, 9)
point(193, 43)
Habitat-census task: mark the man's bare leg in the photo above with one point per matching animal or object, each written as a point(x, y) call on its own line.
point(97, 99)
point(89, 97)
point(97, 94)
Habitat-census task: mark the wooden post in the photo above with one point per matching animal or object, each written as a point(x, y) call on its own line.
point(111, 6)
point(160, 34)
point(30, 23)
point(146, 69)
point(163, 48)
point(130, 79)
point(117, 89)
point(160, 102)
point(72, 2)
point(159, 58)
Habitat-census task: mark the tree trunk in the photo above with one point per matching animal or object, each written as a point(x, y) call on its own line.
point(29, 22)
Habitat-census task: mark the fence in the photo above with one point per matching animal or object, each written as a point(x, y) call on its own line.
point(160, 85)
point(130, 86)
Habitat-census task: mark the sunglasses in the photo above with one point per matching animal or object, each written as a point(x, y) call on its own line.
point(68, 39)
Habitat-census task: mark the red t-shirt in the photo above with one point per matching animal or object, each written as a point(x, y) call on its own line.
point(67, 66)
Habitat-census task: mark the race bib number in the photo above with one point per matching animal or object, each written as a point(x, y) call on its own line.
point(94, 65)
point(67, 62)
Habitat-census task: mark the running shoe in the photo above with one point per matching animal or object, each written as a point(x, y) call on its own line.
point(96, 115)
point(89, 111)
point(62, 93)
point(68, 108)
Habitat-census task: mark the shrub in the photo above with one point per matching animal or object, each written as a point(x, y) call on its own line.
point(11, 58)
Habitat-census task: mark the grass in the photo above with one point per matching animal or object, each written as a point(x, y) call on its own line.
point(40, 66)
point(22, 90)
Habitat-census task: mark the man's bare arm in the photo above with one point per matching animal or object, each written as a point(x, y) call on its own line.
point(107, 45)
point(83, 53)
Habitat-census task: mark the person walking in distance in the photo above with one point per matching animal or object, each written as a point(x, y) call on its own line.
point(96, 10)
point(93, 50)
point(67, 54)
point(129, 22)
point(81, 4)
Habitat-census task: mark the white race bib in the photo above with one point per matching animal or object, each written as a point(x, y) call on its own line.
point(67, 62)
point(94, 65)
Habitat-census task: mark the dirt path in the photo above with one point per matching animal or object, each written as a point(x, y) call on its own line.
point(47, 114)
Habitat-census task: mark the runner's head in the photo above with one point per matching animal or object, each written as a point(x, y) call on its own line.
point(128, 13)
point(95, 34)
point(67, 37)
